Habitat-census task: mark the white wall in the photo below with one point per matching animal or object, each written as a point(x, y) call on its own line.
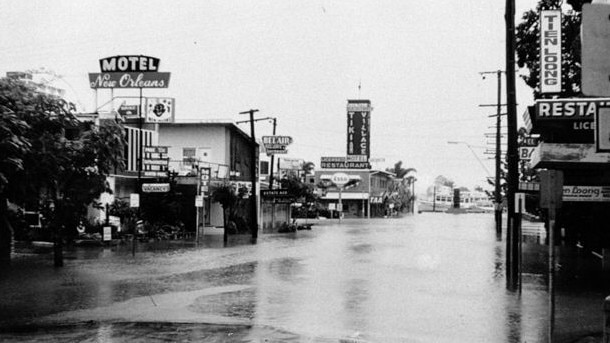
point(214, 138)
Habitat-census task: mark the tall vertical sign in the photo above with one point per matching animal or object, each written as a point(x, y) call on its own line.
point(550, 51)
point(358, 130)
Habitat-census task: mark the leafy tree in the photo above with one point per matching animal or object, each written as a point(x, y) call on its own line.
point(298, 189)
point(229, 198)
point(308, 167)
point(56, 163)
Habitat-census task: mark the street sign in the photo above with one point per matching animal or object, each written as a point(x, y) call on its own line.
point(595, 33)
point(586, 193)
point(134, 200)
point(155, 187)
point(519, 202)
point(199, 201)
point(107, 233)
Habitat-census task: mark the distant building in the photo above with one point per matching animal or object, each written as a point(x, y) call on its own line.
point(37, 81)
point(365, 199)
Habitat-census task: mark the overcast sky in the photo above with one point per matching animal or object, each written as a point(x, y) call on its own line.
point(417, 61)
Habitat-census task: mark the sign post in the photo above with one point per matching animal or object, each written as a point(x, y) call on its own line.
point(340, 180)
point(551, 192)
point(519, 209)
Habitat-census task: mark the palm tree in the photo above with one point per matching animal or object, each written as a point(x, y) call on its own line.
point(400, 171)
point(402, 191)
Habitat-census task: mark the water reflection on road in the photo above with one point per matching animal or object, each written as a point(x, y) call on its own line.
point(423, 278)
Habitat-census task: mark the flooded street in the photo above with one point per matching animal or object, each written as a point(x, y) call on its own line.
point(431, 277)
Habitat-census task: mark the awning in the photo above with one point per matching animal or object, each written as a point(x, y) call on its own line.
point(346, 196)
point(569, 156)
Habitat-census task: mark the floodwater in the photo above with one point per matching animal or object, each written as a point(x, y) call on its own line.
point(431, 277)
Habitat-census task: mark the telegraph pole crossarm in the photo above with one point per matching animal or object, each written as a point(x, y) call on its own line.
point(498, 116)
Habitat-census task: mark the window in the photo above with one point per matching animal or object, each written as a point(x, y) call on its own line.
point(189, 154)
point(264, 168)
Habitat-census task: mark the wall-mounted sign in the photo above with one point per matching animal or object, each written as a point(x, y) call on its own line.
point(129, 111)
point(550, 51)
point(277, 196)
point(129, 71)
point(569, 109)
point(155, 187)
point(342, 163)
point(586, 193)
point(160, 110)
point(358, 128)
point(568, 120)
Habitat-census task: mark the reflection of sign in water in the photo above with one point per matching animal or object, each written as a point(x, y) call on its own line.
point(159, 110)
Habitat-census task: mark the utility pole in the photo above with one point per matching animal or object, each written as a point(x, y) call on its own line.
point(140, 167)
point(513, 235)
point(272, 158)
point(497, 186)
point(253, 166)
point(274, 121)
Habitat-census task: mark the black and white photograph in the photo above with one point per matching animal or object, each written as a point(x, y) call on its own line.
point(315, 171)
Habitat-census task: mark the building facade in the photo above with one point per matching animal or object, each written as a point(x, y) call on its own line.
point(367, 198)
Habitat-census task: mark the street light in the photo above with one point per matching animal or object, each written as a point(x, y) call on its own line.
point(474, 153)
